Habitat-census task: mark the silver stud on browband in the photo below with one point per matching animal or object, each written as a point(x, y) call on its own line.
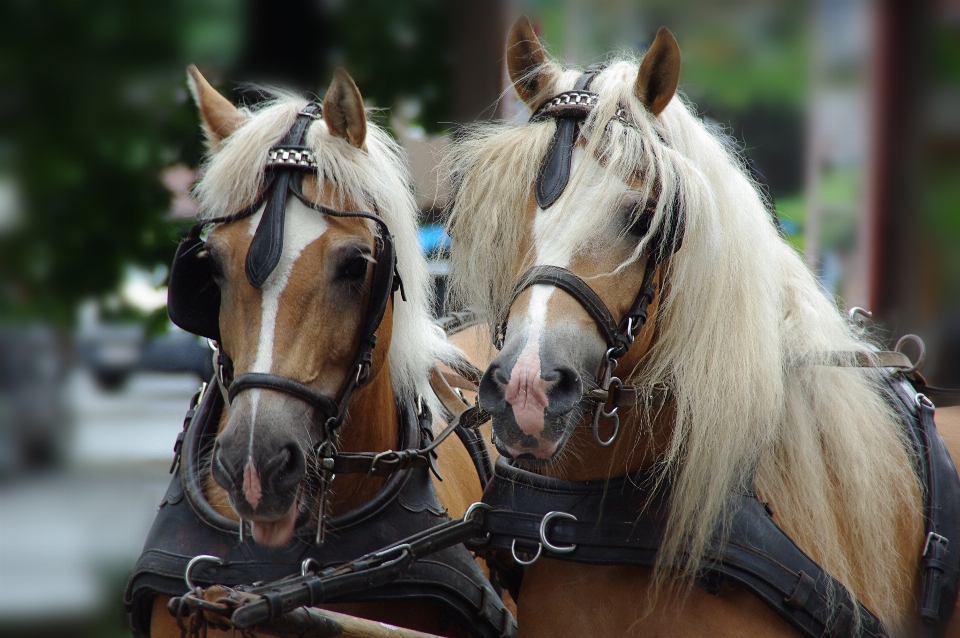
point(303, 158)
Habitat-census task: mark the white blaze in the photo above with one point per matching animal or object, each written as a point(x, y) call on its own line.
point(302, 227)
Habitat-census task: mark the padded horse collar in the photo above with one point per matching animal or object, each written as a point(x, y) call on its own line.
point(186, 526)
point(595, 522)
point(193, 299)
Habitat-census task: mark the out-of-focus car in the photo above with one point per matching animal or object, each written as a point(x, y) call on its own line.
point(36, 425)
point(114, 351)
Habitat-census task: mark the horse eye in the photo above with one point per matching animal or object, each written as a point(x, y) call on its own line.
point(355, 267)
point(639, 219)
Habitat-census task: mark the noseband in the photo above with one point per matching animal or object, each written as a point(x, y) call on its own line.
point(193, 298)
point(569, 109)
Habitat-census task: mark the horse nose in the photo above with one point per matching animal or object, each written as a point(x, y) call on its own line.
point(564, 389)
point(492, 389)
point(280, 470)
point(222, 468)
point(284, 469)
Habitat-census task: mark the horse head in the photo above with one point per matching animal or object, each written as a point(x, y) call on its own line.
point(299, 278)
point(588, 233)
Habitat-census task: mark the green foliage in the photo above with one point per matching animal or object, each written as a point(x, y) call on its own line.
point(398, 51)
point(92, 111)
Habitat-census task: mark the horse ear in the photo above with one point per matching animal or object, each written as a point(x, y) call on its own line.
point(220, 118)
point(659, 72)
point(530, 71)
point(343, 109)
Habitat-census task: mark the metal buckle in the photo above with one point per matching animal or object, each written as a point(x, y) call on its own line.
point(380, 456)
point(558, 549)
point(608, 385)
point(196, 560)
point(934, 537)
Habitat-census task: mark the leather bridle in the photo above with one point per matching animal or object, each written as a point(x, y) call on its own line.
point(193, 303)
point(568, 109)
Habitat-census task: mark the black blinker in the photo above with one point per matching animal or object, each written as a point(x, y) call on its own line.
point(193, 297)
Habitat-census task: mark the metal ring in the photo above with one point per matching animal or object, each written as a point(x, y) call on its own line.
point(598, 411)
point(196, 560)
point(305, 566)
point(923, 400)
point(919, 343)
point(520, 561)
point(474, 507)
point(858, 311)
point(558, 549)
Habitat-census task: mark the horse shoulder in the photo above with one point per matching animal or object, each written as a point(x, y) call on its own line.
point(602, 600)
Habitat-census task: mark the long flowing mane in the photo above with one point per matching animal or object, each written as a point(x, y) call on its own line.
point(741, 327)
point(375, 180)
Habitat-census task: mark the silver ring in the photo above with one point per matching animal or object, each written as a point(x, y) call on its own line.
point(923, 400)
point(520, 561)
point(858, 311)
point(305, 566)
point(196, 560)
point(558, 549)
point(479, 505)
point(919, 343)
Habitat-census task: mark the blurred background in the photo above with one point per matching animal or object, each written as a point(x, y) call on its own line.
point(850, 107)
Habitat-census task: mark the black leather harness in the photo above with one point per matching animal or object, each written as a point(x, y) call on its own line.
point(187, 526)
point(596, 522)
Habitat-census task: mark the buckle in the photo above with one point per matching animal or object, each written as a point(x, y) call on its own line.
point(933, 537)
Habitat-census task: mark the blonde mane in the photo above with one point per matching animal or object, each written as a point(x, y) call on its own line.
point(741, 324)
point(375, 180)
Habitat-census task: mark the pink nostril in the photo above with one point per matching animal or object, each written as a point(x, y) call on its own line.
point(252, 489)
point(527, 393)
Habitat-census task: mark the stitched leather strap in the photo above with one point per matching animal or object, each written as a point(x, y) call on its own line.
point(578, 289)
point(267, 244)
point(252, 380)
point(554, 172)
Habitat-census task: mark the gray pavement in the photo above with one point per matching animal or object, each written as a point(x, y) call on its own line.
point(66, 535)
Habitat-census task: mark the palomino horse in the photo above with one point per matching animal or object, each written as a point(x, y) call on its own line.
point(291, 317)
point(734, 380)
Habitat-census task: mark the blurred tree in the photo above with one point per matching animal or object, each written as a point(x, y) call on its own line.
point(92, 110)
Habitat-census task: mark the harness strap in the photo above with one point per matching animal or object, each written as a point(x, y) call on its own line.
point(282, 384)
point(596, 523)
point(267, 244)
point(555, 170)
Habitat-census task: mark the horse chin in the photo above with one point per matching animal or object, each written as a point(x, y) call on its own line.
point(277, 532)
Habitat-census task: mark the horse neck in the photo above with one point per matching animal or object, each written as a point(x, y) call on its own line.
point(642, 440)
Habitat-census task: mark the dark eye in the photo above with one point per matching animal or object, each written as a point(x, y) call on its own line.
point(355, 268)
point(639, 218)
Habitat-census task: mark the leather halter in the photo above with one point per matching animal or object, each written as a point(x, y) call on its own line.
point(193, 300)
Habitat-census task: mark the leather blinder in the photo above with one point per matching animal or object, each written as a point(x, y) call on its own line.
point(193, 297)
